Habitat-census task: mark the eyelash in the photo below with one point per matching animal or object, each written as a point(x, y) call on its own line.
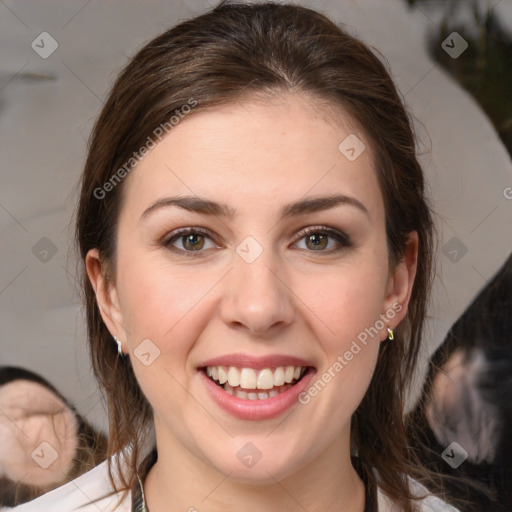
point(341, 238)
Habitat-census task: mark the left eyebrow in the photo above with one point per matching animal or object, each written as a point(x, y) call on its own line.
point(208, 207)
point(315, 204)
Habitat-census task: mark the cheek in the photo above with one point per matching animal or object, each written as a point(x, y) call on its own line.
point(349, 331)
point(163, 308)
point(350, 305)
point(156, 303)
point(157, 298)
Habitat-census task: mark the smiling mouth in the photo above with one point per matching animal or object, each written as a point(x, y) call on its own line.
point(251, 384)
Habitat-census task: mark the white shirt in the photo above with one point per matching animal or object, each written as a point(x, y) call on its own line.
point(79, 494)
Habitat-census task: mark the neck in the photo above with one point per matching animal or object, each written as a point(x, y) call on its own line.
point(180, 481)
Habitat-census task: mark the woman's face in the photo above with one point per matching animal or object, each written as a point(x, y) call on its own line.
point(248, 292)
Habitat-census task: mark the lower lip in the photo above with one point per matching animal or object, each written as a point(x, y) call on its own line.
point(257, 409)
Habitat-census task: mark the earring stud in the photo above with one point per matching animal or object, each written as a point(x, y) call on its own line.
point(119, 346)
point(391, 334)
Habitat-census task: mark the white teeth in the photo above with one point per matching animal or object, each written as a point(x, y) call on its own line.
point(248, 378)
point(251, 379)
point(223, 377)
point(265, 379)
point(279, 376)
point(234, 376)
point(239, 393)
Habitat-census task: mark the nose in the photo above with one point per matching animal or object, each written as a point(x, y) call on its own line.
point(256, 296)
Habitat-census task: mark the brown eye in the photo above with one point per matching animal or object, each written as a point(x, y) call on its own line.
point(317, 239)
point(193, 241)
point(188, 241)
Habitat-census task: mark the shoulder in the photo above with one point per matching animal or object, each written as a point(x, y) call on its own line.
point(429, 503)
point(90, 492)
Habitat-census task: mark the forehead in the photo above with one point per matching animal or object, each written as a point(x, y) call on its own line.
point(256, 154)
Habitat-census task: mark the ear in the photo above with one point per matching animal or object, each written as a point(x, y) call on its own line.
point(106, 294)
point(400, 283)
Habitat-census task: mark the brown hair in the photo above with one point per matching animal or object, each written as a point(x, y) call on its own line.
point(227, 54)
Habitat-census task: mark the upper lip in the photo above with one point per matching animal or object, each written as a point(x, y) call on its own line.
point(258, 363)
